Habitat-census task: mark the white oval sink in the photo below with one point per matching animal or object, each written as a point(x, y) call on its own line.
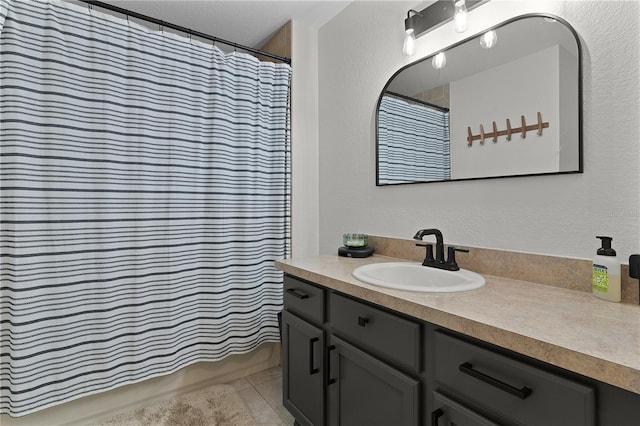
point(415, 277)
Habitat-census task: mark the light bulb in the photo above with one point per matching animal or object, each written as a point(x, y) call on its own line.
point(488, 39)
point(439, 61)
point(460, 17)
point(409, 46)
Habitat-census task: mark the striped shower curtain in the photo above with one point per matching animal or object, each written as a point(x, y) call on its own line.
point(145, 195)
point(413, 142)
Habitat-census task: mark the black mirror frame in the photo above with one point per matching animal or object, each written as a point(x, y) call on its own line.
point(580, 103)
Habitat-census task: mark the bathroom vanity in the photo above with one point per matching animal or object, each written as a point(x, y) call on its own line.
point(511, 352)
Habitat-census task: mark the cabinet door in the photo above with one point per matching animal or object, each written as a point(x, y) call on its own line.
point(448, 412)
point(302, 386)
point(365, 391)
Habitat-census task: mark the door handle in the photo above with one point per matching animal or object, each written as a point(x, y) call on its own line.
point(312, 370)
point(435, 415)
point(297, 293)
point(522, 393)
point(330, 349)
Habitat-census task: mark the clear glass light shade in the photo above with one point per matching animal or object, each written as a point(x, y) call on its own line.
point(439, 61)
point(488, 39)
point(460, 18)
point(409, 46)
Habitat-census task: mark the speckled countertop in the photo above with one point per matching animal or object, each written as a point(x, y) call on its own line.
point(567, 328)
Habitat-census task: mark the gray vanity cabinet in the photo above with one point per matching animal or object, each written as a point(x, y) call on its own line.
point(349, 362)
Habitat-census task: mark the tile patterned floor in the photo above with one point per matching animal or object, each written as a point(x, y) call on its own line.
point(262, 392)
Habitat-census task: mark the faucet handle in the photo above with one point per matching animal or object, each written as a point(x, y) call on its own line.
point(429, 256)
point(451, 256)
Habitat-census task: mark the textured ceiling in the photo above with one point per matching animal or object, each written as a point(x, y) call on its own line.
point(250, 23)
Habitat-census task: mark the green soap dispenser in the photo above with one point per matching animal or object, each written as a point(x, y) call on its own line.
point(606, 272)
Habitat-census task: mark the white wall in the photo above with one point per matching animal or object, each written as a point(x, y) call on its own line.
point(304, 140)
point(557, 215)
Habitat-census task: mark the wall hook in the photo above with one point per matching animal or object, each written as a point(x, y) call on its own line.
point(539, 124)
point(495, 133)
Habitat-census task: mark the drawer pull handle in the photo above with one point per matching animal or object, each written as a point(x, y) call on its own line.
point(435, 415)
point(312, 370)
point(330, 349)
point(297, 293)
point(522, 393)
point(362, 321)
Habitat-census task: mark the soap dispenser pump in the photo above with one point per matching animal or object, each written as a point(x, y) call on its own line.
point(606, 272)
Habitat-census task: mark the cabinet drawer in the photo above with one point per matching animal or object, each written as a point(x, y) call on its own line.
point(304, 299)
point(393, 338)
point(512, 389)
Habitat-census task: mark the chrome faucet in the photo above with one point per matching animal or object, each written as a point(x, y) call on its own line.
point(439, 261)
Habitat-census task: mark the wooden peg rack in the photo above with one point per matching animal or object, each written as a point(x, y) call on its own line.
point(523, 129)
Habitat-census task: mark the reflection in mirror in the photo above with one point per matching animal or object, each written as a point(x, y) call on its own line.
point(413, 140)
point(505, 103)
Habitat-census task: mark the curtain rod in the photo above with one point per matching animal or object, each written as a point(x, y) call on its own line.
point(184, 30)
point(419, 101)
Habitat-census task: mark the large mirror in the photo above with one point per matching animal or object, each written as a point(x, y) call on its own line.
point(504, 103)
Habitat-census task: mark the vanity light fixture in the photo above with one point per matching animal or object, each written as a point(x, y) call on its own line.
point(488, 39)
point(460, 16)
point(439, 61)
point(409, 46)
point(431, 17)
